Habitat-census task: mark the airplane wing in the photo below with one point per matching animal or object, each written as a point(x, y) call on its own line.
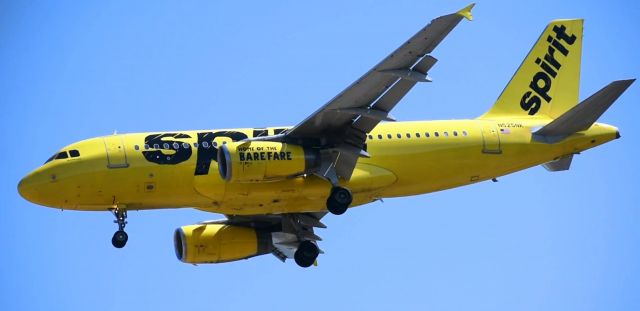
point(339, 127)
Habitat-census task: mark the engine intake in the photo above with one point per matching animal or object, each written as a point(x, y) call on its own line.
point(264, 161)
point(217, 243)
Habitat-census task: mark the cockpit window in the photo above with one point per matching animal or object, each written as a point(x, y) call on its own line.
point(51, 158)
point(62, 155)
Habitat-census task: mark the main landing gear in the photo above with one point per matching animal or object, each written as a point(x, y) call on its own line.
point(119, 239)
point(339, 200)
point(306, 254)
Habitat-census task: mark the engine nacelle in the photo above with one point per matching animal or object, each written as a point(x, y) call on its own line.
point(264, 161)
point(216, 243)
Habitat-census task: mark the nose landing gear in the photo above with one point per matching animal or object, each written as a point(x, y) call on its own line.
point(120, 238)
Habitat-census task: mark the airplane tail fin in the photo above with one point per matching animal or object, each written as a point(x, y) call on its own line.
point(546, 83)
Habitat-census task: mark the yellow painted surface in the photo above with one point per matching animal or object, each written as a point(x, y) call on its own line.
point(216, 243)
point(462, 152)
point(556, 76)
point(262, 161)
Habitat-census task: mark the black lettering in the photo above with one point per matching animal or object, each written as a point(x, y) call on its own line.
point(550, 59)
point(259, 132)
point(562, 35)
point(530, 104)
point(262, 156)
point(546, 67)
point(241, 155)
point(288, 155)
point(542, 90)
point(560, 47)
point(206, 155)
point(283, 156)
point(173, 156)
point(276, 156)
point(269, 155)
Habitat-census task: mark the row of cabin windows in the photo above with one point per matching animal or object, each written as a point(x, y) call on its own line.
point(215, 144)
point(176, 146)
point(73, 153)
point(426, 135)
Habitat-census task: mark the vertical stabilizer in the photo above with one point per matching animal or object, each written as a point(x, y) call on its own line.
point(546, 84)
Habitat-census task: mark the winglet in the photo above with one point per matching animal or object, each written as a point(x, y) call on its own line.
point(466, 12)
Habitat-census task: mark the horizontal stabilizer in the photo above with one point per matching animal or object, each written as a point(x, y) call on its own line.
point(583, 115)
point(562, 164)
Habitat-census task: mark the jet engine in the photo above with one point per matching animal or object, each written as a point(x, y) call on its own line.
point(259, 161)
point(216, 243)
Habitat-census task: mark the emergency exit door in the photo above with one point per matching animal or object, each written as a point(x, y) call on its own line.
point(116, 154)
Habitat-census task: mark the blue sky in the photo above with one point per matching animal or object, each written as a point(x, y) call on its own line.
point(71, 70)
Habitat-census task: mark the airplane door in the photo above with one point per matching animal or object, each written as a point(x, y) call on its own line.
point(490, 139)
point(116, 154)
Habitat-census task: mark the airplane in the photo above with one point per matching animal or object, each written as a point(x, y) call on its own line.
point(274, 185)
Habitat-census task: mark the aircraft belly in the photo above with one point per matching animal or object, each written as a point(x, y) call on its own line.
point(302, 193)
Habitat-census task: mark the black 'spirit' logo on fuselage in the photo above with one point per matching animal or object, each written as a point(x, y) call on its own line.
point(541, 82)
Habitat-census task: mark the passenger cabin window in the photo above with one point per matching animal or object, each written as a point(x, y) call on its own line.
point(389, 136)
point(185, 145)
point(205, 144)
point(136, 147)
point(74, 153)
point(446, 134)
point(464, 133)
point(455, 133)
point(176, 146)
point(399, 135)
point(379, 136)
point(436, 134)
point(370, 136)
point(165, 145)
point(426, 134)
point(156, 146)
point(418, 135)
point(146, 147)
point(408, 135)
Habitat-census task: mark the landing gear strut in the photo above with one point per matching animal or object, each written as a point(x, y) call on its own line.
point(119, 239)
point(306, 254)
point(339, 200)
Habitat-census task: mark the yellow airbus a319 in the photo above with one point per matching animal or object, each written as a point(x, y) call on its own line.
point(275, 184)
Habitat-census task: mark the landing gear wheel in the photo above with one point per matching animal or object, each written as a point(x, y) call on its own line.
point(339, 200)
point(119, 239)
point(306, 254)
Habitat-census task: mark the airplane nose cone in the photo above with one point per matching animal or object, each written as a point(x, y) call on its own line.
point(27, 189)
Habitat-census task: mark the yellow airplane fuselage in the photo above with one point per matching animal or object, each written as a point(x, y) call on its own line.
point(406, 158)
